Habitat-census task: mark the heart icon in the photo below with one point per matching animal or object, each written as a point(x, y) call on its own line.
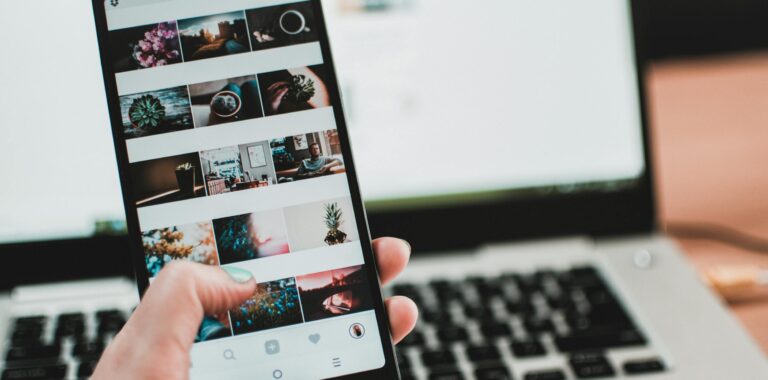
point(314, 338)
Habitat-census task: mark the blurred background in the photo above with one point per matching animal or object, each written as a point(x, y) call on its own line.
point(707, 88)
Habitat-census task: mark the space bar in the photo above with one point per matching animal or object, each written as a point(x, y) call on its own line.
point(602, 339)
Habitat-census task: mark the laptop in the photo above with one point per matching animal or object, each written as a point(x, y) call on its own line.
point(507, 141)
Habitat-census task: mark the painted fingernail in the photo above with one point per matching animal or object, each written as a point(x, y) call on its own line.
point(239, 275)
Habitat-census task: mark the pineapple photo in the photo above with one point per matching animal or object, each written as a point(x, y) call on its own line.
point(333, 220)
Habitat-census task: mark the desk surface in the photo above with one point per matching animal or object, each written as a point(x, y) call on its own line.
point(710, 129)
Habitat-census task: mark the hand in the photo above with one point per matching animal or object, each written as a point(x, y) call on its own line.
point(276, 92)
point(156, 341)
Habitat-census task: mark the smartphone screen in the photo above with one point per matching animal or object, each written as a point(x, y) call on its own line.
point(233, 151)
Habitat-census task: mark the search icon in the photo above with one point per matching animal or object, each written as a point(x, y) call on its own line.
point(229, 355)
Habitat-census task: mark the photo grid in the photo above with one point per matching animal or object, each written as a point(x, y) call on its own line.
point(247, 166)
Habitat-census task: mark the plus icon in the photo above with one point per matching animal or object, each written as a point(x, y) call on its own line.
point(272, 347)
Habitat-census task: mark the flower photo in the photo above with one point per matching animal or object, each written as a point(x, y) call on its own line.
point(191, 242)
point(145, 47)
point(274, 304)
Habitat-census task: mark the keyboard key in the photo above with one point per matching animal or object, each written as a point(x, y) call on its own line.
point(537, 324)
point(478, 311)
point(434, 358)
point(402, 360)
point(48, 372)
point(589, 365)
point(521, 306)
point(643, 366)
point(85, 349)
point(72, 324)
point(497, 372)
point(483, 353)
point(109, 314)
point(39, 353)
point(554, 374)
point(452, 334)
point(415, 338)
point(433, 315)
point(495, 329)
point(27, 335)
point(528, 348)
point(86, 368)
point(34, 320)
point(453, 374)
point(599, 339)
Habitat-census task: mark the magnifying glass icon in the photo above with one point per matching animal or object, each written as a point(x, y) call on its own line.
point(229, 355)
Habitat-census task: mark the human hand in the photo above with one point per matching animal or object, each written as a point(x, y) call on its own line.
point(156, 341)
point(276, 92)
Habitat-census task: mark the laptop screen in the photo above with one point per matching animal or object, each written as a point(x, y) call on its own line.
point(447, 102)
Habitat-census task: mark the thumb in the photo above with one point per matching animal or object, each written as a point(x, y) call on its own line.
point(176, 301)
point(155, 342)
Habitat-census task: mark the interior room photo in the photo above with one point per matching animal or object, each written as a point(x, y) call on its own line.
point(235, 168)
point(307, 156)
point(168, 179)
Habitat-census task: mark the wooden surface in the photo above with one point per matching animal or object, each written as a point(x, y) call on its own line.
point(710, 136)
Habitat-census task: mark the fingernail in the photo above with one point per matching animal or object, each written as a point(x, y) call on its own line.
point(408, 244)
point(239, 275)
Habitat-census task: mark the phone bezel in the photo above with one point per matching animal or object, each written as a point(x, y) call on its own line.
point(390, 369)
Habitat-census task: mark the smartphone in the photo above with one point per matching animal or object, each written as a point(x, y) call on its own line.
point(233, 151)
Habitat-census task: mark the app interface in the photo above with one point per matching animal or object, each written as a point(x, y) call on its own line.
point(235, 160)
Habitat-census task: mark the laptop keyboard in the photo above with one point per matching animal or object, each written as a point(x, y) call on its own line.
point(545, 325)
point(482, 327)
point(59, 347)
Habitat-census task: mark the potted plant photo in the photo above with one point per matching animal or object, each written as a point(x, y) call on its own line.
point(300, 90)
point(185, 177)
point(333, 220)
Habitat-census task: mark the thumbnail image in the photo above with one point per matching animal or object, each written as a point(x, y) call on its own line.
point(321, 224)
point(214, 36)
point(281, 25)
point(294, 90)
point(247, 166)
point(192, 242)
point(167, 179)
point(214, 327)
point(156, 112)
point(225, 101)
point(333, 293)
point(222, 169)
point(251, 236)
point(144, 47)
point(307, 156)
point(275, 304)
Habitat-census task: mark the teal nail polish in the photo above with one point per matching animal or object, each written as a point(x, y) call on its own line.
point(239, 275)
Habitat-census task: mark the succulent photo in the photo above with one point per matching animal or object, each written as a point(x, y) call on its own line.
point(146, 111)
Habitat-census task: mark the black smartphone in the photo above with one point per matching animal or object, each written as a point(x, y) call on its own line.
point(233, 151)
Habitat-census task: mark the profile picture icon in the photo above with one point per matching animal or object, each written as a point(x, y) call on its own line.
point(357, 330)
